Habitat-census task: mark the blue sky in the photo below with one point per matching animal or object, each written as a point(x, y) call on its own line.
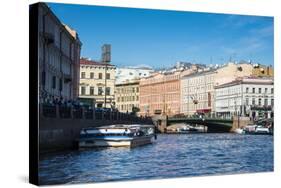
point(160, 38)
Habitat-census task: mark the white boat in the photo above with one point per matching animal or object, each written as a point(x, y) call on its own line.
point(261, 130)
point(239, 131)
point(117, 135)
point(256, 129)
point(250, 129)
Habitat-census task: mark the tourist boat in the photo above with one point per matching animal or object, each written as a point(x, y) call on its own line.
point(117, 135)
point(256, 129)
point(262, 130)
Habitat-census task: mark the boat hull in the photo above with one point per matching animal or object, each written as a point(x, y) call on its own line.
point(133, 142)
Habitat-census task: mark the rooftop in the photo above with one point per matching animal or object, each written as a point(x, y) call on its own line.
point(85, 61)
point(247, 80)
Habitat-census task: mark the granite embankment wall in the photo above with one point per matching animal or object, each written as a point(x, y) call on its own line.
point(59, 130)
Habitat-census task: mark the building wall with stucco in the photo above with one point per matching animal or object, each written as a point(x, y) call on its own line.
point(93, 82)
point(197, 89)
point(127, 96)
point(59, 54)
point(160, 93)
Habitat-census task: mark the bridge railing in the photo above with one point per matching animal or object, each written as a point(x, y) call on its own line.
point(198, 118)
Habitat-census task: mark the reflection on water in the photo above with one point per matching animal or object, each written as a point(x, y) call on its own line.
point(169, 156)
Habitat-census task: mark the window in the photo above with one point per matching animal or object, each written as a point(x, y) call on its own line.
point(137, 98)
point(254, 90)
point(54, 82)
point(92, 75)
point(60, 85)
point(265, 102)
point(272, 102)
point(83, 90)
point(259, 90)
point(271, 90)
point(265, 90)
point(107, 91)
point(259, 102)
point(100, 75)
point(100, 91)
point(107, 75)
point(92, 90)
point(83, 75)
point(247, 101)
point(247, 90)
point(253, 101)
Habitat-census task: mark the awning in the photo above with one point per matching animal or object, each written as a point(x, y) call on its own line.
point(203, 110)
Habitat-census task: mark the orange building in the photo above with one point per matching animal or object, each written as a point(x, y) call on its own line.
point(160, 93)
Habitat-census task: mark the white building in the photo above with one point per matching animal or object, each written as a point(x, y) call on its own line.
point(197, 89)
point(59, 56)
point(131, 73)
point(197, 92)
point(248, 96)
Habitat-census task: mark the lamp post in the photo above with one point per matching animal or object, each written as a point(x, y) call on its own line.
point(236, 112)
point(106, 58)
point(105, 84)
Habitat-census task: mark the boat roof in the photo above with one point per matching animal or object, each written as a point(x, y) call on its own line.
point(123, 126)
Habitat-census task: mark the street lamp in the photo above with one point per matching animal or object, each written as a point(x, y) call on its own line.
point(237, 113)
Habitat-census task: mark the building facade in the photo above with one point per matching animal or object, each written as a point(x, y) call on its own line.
point(97, 83)
point(160, 92)
point(197, 89)
point(59, 55)
point(197, 92)
point(231, 71)
point(263, 71)
point(248, 96)
point(127, 96)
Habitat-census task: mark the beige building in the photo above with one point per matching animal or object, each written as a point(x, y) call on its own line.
point(231, 71)
point(59, 56)
point(127, 96)
point(97, 83)
point(197, 89)
point(197, 92)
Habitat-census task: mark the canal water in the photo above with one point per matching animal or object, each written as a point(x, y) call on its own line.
point(169, 156)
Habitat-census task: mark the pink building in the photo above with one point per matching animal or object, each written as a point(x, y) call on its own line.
point(160, 93)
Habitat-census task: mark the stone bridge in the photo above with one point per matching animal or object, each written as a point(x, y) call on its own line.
point(213, 124)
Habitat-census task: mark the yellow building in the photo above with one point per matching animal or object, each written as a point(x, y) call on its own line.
point(127, 96)
point(97, 82)
point(263, 71)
